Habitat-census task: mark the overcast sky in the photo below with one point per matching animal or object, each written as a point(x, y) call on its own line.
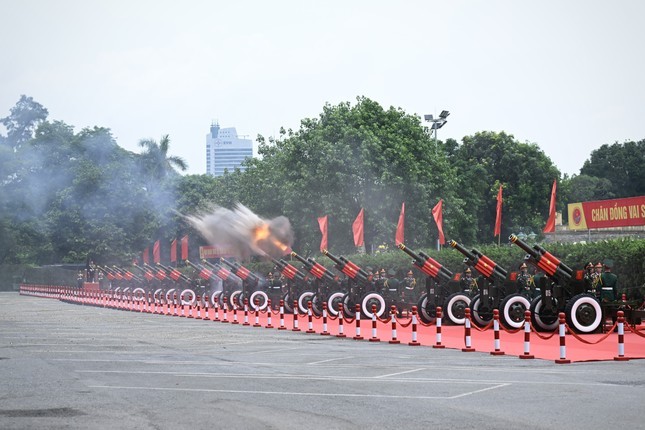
point(567, 75)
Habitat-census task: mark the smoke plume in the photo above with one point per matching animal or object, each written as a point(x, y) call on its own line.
point(244, 232)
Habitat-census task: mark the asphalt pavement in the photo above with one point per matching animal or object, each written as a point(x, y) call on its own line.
point(70, 366)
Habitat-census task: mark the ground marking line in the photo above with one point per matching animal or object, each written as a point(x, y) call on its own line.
point(522, 370)
point(479, 391)
point(331, 359)
point(344, 378)
point(400, 373)
point(281, 393)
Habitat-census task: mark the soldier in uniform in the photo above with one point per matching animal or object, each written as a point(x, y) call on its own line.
point(79, 280)
point(596, 281)
point(391, 287)
point(468, 283)
point(525, 284)
point(609, 283)
point(409, 292)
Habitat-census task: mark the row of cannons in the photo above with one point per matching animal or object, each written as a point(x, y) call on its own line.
point(554, 290)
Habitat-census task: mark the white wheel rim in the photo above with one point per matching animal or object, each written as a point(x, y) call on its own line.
point(368, 312)
point(138, 294)
point(453, 318)
point(169, 295)
point(215, 295)
point(586, 300)
point(191, 294)
point(330, 303)
point(303, 299)
point(264, 300)
point(507, 308)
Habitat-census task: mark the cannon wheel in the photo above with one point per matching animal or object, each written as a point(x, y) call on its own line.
point(317, 304)
point(170, 295)
point(455, 307)
point(583, 313)
point(191, 294)
point(349, 307)
point(262, 298)
point(216, 295)
point(333, 301)
point(427, 314)
point(512, 310)
point(288, 303)
point(480, 317)
point(540, 318)
point(235, 296)
point(157, 295)
point(138, 294)
point(370, 299)
point(303, 301)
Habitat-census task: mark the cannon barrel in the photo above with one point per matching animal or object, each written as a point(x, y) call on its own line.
point(483, 264)
point(241, 271)
point(221, 272)
point(316, 269)
point(175, 274)
point(347, 267)
point(543, 259)
point(288, 270)
point(427, 265)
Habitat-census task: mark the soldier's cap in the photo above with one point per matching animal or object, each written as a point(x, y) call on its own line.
point(369, 269)
point(410, 273)
point(468, 270)
point(598, 265)
point(382, 271)
point(391, 272)
point(523, 266)
point(589, 265)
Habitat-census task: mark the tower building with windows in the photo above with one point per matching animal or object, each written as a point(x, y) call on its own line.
point(225, 150)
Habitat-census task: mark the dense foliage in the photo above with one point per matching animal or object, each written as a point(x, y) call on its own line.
point(66, 196)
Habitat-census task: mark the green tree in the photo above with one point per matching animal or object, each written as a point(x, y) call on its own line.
point(488, 159)
point(23, 119)
point(621, 163)
point(156, 162)
point(352, 157)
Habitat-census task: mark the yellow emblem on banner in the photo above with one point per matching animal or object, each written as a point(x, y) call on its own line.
point(576, 217)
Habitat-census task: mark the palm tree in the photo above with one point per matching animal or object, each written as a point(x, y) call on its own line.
point(156, 161)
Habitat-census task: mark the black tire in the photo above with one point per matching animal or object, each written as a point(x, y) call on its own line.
point(455, 308)
point(349, 307)
point(235, 296)
point(216, 295)
point(262, 298)
point(303, 301)
point(583, 313)
point(333, 301)
point(478, 313)
point(317, 304)
point(370, 299)
point(542, 319)
point(188, 292)
point(427, 313)
point(288, 303)
point(511, 310)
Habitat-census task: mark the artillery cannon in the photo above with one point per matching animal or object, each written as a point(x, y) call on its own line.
point(250, 284)
point(361, 290)
point(492, 287)
point(324, 285)
point(442, 289)
point(230, 282)
point(561, 290)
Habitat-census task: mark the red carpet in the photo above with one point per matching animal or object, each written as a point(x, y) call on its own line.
point(453, 337)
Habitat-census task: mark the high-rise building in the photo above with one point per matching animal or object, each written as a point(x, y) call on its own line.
point(226, 151)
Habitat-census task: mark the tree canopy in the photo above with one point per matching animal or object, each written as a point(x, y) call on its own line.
point(67, 196)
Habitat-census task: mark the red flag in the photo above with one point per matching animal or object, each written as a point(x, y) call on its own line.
point(173, 251)
point(550, 223)
point(357, 229)
point(322, 223)
point(156, 251)
point(400, 226)
point(437, 213)
point(498, 216)
point(184, 248)
point(146, 255)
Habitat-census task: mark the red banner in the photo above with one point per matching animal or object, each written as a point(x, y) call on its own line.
point(400, 226)
point(322, 223)
point(357, 229)
point(607, 213)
